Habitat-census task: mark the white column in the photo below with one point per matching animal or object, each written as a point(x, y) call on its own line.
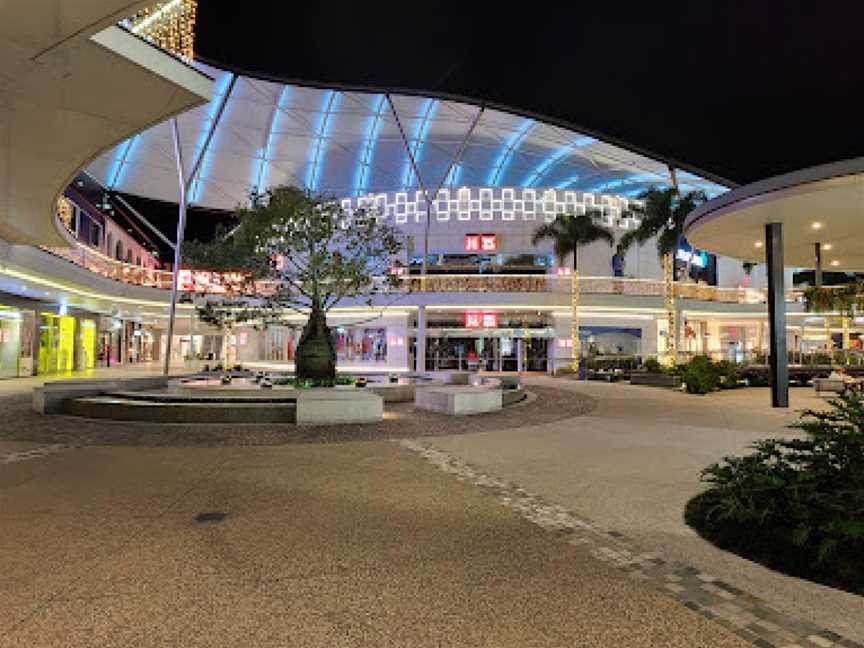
point(420, 350)
point(520, 353)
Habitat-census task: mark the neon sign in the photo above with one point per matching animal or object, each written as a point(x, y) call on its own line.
point(481, 242)
point(477, 319)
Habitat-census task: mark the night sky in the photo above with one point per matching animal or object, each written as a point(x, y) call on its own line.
point(739, 90)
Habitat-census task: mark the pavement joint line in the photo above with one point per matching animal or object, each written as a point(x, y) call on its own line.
point(746, 616)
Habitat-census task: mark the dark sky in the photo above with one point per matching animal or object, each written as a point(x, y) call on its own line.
point(737, 89)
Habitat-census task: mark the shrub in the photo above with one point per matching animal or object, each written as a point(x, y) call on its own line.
point(796, 505)
point(700, 375)
point(727, 373)
point(653, 366)
point(308, 383)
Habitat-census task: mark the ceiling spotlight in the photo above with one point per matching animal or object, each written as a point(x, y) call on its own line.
point(817, 225)
point(835, 262)
point(757, 244)
point(827, 246)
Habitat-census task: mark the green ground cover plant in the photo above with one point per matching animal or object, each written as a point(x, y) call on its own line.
point(795, 505)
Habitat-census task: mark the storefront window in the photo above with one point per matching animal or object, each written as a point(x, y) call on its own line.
point(87, 345)
point(10, 342)
point(56, 344)
point(354, 344)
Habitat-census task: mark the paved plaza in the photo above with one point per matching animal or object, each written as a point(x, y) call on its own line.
point(560, 533)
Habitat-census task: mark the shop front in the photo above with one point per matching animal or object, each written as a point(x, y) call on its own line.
point(10, 342)
point(488, 341)
point(87, 334)
point(56, 343)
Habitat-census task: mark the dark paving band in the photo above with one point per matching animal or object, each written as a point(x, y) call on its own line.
point(746, 616)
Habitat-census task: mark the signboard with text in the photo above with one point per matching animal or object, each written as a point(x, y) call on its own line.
point(477, 319)
point(481, 242)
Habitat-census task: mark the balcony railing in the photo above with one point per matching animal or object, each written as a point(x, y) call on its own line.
point(587, 286)
point(126, 273)
point(462, 283)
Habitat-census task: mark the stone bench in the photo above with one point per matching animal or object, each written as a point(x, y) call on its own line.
point(336, 406)
point(457, 400)
point(829, 385)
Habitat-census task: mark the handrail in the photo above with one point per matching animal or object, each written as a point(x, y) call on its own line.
point(101, 264)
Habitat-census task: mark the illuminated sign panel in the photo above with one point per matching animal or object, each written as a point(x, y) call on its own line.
point(481, 242)
point(697, 258)
point(204, 281)
point(476, 319)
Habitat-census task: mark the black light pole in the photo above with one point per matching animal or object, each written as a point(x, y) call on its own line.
point(777, 315)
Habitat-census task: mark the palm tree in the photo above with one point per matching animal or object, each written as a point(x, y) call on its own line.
point(662, 215)
point(569, 232)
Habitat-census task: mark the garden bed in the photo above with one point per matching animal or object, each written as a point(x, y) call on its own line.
point(794, 505)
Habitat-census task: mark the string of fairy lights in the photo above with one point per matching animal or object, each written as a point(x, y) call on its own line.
point(168, 25)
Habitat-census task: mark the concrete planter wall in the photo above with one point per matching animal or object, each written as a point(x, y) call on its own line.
point(655, 380)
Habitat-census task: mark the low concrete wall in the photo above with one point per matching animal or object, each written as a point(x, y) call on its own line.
point(104, 407)
point(459, 400)
point(49, 398)
point(330, 406)
point(655, 380)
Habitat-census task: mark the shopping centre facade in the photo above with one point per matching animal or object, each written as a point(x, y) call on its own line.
point(96, 291)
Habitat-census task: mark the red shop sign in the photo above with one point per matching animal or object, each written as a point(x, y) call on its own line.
point(476, 319)
point(481, 242)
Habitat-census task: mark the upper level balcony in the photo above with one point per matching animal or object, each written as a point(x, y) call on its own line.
point(203, 282)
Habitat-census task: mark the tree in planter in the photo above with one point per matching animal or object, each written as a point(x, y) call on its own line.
point(313, 255)
point(662, 215)
point(568, 233)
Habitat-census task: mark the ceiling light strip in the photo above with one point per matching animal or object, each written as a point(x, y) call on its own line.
point(372, 133)
point(215, 116)
point(328, 104)
point(549, 163)
point(266, 152)
point(416, 151)
point(510, 148)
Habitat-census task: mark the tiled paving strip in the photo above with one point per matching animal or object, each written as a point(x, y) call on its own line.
point(35, 453)
point(746, 616)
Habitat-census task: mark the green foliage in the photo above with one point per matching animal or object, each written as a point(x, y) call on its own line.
point(569, 232)
point(308, 247)
point(308, 383)
point(662, 216)
point(701, 375)
point(847, 299)
point(653, 366)
point(313, 254)
point(796, 505)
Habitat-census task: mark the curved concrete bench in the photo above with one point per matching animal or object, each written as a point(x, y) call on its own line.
point(459, 400)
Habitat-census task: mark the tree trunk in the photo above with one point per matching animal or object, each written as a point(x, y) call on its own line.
point(671, 308)
point(574, 312)
point(316, 357)
point(229, 350)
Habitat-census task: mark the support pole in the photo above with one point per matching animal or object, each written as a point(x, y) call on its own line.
point(777, 315)
point(181, 228)
point(818, 282)
point(420, 351)
point(426, 196)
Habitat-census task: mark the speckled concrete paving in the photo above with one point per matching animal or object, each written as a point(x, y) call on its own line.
point(631, 464)
point(357, 544)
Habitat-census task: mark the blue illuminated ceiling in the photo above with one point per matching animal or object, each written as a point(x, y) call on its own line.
point(348, 144)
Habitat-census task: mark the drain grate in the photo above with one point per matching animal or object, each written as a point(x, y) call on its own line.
point(210, 518)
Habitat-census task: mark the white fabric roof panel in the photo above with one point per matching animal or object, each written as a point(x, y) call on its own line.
point(348, 144)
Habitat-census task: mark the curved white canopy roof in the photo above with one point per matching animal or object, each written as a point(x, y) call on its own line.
point(348, 144)
point(823, 204)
